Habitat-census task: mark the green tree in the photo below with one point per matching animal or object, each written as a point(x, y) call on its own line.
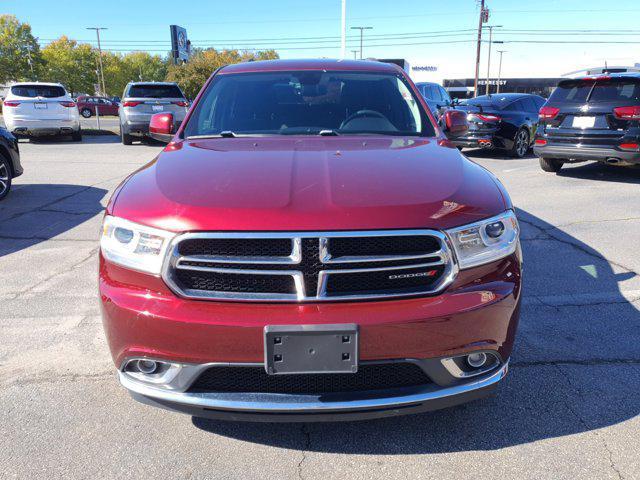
point(20, 57)
point(192, 75)
point(71, 63)
point(134, 66)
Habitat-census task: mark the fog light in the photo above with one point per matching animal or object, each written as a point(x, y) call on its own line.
point(147, 366)
point(476, 360)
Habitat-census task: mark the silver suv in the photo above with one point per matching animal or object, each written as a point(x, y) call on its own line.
point(143, 99)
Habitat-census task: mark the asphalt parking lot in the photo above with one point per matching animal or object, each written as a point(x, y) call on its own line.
point(568, 410)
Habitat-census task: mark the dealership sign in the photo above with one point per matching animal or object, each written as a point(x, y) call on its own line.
point(492, 82)
point(425, 68)
point(179, 43)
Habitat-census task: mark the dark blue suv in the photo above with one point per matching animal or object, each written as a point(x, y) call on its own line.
point(436, 97)
point(592, 118)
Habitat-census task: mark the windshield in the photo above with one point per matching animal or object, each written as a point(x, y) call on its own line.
point(307, 103)
point(154, 91)
point(33, 91)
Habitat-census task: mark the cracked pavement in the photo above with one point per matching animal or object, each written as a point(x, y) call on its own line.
point(568, 409)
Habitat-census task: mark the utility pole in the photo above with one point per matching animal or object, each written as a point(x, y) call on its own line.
point(362, 29)
point(97, 29)
point(499, 70)
point(484, 16)
point(343, 36)
point(355, 56)
point(490, 27)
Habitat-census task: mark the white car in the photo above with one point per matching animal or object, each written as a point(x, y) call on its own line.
point(35, 108)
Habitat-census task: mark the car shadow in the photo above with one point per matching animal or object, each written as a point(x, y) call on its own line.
point(601, 172)
point(102, 137)
point(34, 213)
point(494, 154)
point(576, 368)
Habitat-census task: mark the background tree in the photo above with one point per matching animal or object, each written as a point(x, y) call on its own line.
point(121, 69)
point(71, 63)
point(192, 75)
point(18, 47)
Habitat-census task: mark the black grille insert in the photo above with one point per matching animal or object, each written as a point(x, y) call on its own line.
point(409, 245)
point(388, 282)
point(235, 282)
point(381, 376)
point(237, 247)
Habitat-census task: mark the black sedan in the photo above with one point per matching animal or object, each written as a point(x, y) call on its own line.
point(9, 161)
point(505, 121)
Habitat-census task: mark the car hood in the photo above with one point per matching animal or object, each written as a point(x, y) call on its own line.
point(308, 183)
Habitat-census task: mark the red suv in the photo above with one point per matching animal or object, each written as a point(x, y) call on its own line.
point(309, 246)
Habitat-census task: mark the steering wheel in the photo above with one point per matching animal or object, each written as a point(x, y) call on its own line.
point(362, 114)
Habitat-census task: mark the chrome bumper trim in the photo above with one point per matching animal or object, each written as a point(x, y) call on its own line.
point(274, 403)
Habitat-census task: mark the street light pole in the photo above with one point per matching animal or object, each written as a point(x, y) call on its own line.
point(490, 27)
point(499, 70)
point(343, 37)
point(354, 54)
point(97, 29)
point(480, 22)
point(362, 29)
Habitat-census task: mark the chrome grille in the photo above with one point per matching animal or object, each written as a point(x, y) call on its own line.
point(309, 266)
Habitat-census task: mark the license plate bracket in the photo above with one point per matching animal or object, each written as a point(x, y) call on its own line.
point(307, 349)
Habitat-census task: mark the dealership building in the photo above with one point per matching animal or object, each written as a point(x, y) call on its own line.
point(463, 87)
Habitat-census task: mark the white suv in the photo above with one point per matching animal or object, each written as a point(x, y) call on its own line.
point(34, 108)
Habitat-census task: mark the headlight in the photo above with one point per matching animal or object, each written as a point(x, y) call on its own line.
point(134, 246)
point(485, 241)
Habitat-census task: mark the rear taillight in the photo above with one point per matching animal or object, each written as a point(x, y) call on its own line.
point(627, 113)
point(68, 104)
point(548, 113)
point(485, 117)
point(540, 141)
point(131, 104)
point(181, 104)
point(629, 146)
point(11, 103)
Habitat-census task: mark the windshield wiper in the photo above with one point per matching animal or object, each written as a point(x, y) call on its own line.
point(328, 133)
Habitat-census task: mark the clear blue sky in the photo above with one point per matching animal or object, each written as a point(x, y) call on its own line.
point(401, 28)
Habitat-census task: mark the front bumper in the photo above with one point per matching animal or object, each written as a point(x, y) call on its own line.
point(582, 153)
point(478, 312)
point(269, 407)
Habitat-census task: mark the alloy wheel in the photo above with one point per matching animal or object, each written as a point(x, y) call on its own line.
point(522, 143)
point(4, 178)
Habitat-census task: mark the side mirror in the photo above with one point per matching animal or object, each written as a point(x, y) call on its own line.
point(455, 122)
point(161, 127)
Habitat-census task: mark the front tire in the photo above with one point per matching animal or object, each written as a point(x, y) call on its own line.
point(552, 165)
point(520, 144)
point(5, 177)
point(86, 113)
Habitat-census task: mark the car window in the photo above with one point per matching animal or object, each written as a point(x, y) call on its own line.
point(308, 102)
point(516, 106)
point(571, 92)
point(33, 91)
point(154, 91)
point(445, 95)
point(609, 91)
point(539, 102)
point(529, 105)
